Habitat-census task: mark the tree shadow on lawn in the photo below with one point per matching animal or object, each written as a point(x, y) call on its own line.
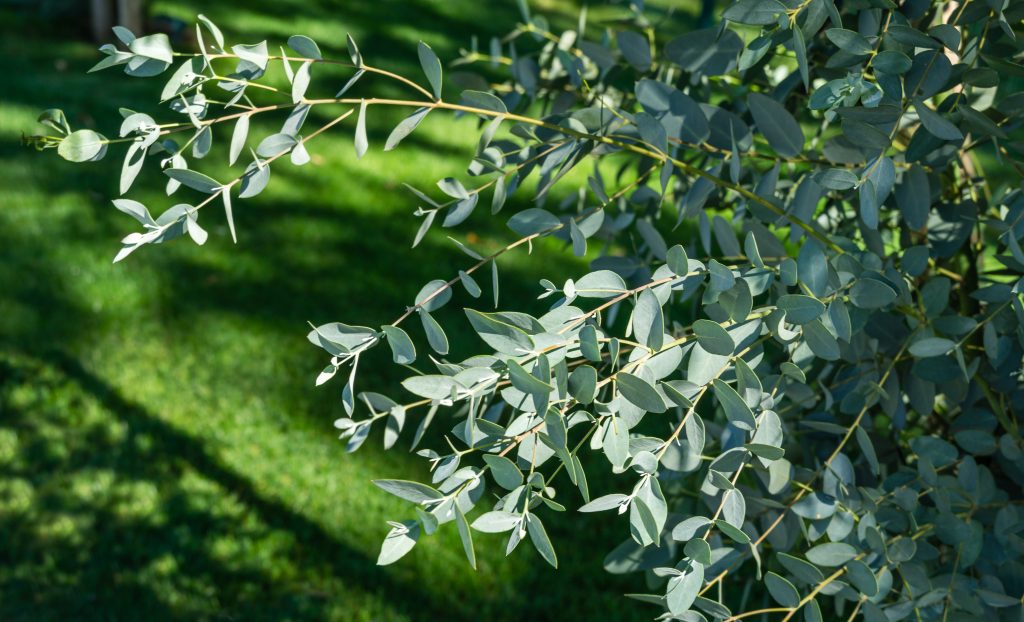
point(101, 570)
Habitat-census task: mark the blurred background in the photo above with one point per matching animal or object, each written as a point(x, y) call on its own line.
point(164, 454)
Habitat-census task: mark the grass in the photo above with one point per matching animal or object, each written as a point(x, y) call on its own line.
point(163, 454)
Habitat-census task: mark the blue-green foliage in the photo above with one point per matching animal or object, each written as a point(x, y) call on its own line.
point(799, 347)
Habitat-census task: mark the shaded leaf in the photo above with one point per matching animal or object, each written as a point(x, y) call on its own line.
point(406, 127)
point(777, 124)
point(736, 410)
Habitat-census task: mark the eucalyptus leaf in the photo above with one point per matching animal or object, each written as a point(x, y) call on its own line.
point(640, 393)
point(82, 146)
point(831, 554)
point(483, 101)
point(305, 47)
point(713, 338)
point(406, 127)
point(735, 408)
point(238, 136)
point(539, 537)
point(360, 141)
point(777, 124)
point(505, 472)
point(781, 590)
point(648, 320)
point(194, 180)
point(754, 12)
point(399, 541)
point(410, 491)
point(683, 589)
point(403, 351)
point(431, 67)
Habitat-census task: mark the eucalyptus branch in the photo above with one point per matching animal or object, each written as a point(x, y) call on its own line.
point(818, 252)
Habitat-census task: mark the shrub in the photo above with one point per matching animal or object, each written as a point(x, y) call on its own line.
point(799, 346)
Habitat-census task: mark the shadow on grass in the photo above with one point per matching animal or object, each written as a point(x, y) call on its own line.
point(104, 575)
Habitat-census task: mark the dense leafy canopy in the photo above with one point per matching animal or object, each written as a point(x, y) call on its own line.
point(799, 345)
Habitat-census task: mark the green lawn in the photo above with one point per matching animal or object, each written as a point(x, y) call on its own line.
point(163, 452)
